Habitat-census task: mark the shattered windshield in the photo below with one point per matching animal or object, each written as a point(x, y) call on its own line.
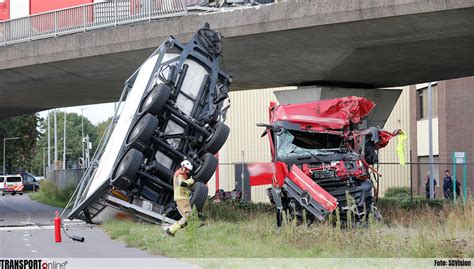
point(292, 143)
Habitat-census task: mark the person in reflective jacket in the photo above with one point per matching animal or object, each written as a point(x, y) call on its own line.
point(182, 183)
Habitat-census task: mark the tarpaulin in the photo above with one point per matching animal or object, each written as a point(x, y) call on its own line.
point(261, 173)
point(325, 114)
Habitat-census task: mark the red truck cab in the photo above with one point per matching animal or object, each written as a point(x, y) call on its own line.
point(320, 158)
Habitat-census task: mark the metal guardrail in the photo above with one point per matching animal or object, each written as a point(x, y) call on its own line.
point(87, 17)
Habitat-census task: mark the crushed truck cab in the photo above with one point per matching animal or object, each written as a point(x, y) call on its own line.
point(321, 159)
point(172, 108)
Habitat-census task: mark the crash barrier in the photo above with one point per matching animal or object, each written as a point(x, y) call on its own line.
point(87, 17)
point(65, 178)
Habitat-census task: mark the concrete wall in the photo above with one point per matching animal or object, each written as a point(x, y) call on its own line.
point(64, 178)
point(423, 137)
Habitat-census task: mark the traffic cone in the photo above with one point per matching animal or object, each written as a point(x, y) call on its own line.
point(57, 228)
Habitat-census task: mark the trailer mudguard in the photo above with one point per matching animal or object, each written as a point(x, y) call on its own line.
point(309, 194)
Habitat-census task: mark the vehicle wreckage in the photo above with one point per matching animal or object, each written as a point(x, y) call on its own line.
point(171, 108)
point(320, 159)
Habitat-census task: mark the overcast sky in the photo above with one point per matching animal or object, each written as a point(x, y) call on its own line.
point(95, 113)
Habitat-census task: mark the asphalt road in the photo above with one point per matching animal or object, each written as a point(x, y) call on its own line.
point(20, 210)
point(27, 231)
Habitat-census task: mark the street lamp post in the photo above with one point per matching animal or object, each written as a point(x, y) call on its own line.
point(44, 165)
point(82, 132)
point(4, 140)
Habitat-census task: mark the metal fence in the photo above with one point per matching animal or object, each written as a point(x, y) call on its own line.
point(411, 175)
point(87, 17)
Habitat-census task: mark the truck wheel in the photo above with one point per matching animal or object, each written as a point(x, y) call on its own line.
point(205, 171)
point(127, 170)
point(143, 131)
point(156, 99)
point(217, 139)
point(199, 195)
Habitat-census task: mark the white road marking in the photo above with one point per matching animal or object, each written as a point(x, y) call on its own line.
point(28, 245)
point(34, 251)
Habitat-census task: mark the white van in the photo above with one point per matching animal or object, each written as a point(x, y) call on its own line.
point(12, 184)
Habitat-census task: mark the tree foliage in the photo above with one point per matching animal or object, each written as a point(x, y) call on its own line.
point(19, 153)
point(102, 127)
point(73, 140)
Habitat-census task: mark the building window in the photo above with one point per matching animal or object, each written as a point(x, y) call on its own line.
point(422, 102)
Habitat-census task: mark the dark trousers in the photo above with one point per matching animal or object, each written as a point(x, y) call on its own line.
point(448, 195)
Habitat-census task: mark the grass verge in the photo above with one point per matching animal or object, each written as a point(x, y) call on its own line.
point(51, 195)
point(233, 230)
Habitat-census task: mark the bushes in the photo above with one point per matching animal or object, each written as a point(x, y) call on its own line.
point(400, 198)
point(50, 194)
point(237, 210)
point(398, 192)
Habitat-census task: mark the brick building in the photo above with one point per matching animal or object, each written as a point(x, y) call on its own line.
point(453, 109)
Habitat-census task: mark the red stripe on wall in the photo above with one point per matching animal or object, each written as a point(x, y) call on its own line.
point(39, 6)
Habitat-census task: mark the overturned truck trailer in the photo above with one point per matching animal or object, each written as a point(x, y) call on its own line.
point(171, 108)
point(321, 159)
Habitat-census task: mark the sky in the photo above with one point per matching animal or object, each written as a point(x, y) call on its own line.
point(95, 113)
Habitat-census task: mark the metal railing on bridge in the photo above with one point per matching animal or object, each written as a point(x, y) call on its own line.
point(87, 17)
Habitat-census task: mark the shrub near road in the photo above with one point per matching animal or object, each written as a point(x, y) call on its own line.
point(51, 195)
point(244, 231)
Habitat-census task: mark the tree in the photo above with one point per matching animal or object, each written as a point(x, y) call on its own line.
point(102, 127)
point(73, 139)
point(19, 153)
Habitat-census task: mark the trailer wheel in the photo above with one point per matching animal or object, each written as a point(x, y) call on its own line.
point(217, 139)
point(156, 99)
point(142, 131)
point(199, 195)
point(127, 170)
point(205, 171)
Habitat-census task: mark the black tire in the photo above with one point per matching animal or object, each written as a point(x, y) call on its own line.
point(20, 193)
point(205, 171)
point(142, 131)
point(127, 169)
point(156, 99)
point(199, 195)
point(217, 139)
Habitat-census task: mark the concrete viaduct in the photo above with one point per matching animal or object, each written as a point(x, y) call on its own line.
point(346, 43)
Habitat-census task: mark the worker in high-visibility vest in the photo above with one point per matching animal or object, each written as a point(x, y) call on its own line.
point(182, 183)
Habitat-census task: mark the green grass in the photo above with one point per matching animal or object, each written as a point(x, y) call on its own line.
point(50, 194)
point(242, 231)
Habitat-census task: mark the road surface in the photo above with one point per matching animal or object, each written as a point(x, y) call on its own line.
point(27, 231)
